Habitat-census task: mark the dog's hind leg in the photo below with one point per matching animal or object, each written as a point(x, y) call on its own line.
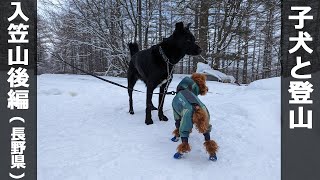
point(132, 79)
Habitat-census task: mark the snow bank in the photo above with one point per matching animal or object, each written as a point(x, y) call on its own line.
point(206, 69)
point(266, 84)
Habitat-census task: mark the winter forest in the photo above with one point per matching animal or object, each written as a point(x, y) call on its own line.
point(238, 37)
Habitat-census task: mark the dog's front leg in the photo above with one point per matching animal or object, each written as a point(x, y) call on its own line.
point(162, 96)
point(149, 104)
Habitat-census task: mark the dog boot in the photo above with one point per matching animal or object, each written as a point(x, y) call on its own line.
point(175, 139)
point(213, 158)
point(177, 155)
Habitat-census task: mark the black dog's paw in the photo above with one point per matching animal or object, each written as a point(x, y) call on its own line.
point(148, 122)
point(163, 118)
point(131, 111)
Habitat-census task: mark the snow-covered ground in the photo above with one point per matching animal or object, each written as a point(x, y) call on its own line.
point(86, 133)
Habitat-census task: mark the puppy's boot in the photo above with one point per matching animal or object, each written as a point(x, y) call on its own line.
point(212, 148)
point(176, 136)
point(177, 155)
point(184, 147)
point(213, 157)
point(175, 139)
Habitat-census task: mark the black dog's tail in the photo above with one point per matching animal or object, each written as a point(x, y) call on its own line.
point(134, 48)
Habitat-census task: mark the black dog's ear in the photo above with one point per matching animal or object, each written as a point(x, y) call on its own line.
point(179, 26)
point(188, 26)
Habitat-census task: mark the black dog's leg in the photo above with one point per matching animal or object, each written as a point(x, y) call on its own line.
point(162, 117)
point(153, 107)
point(150, 88)
point(132, 79)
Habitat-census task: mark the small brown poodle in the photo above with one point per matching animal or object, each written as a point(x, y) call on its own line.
point(189, 110)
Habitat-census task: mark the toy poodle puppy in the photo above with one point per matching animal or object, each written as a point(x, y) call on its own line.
point(188, 110)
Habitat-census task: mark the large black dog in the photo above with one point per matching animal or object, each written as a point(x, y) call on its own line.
point(152, 65)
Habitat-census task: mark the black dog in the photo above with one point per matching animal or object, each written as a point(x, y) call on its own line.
point(151, 65)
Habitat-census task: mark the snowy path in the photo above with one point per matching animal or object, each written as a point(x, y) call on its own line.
point(86, 133)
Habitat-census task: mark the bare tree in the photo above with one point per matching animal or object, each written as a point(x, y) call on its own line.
point(240, 38)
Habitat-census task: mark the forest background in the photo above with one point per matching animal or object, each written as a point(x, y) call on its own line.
point(238, 37)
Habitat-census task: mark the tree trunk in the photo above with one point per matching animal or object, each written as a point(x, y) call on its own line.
point(267, 57)
point(196, 34)
point(254, 51)
point(246, 53)
point(140, 22)
point(216, 60)
point(181, 67)
point(204, 26)
point(160, 20)
point(238, 59)
point(148, 13)
point(259, 59)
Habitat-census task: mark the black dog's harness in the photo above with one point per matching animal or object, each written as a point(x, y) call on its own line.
point(167, 60)
point(164, 57)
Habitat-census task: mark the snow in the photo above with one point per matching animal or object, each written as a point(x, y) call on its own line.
point(205, 68)
point(85, 132)
point(267, 84)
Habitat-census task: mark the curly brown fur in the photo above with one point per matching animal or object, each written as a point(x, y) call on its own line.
point(200, 119)
point(176, 133)
point(200, 79)
point(184, 147)
point(211, 147)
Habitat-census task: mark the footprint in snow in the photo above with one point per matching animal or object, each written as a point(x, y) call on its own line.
point(51, 92)
point(73, 94)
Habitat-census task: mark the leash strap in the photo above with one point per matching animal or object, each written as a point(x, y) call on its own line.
point(108, 81)
point(111, 82)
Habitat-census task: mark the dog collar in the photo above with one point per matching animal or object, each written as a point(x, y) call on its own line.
point(164, 57)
